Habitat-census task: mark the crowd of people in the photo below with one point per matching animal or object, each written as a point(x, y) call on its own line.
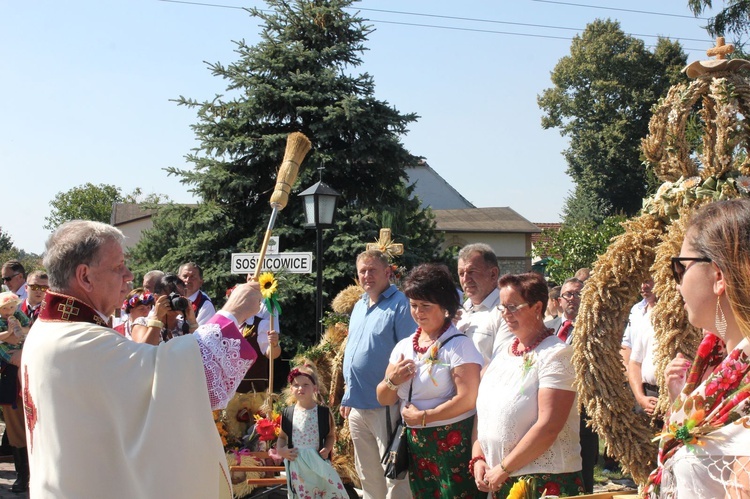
point(484, 384)
point(501, 363)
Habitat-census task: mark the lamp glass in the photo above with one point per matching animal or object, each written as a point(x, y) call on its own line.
point(310, 211)
point(326, 207)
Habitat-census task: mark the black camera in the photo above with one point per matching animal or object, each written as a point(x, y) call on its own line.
point(170, 285)
point(178, 302)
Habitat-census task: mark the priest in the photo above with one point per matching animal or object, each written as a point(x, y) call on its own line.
point(108, 417)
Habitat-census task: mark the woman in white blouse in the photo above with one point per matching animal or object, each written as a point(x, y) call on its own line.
point(435, 374)
point(526, 423)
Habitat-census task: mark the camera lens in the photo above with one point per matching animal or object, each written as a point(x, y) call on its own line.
point(178, 302)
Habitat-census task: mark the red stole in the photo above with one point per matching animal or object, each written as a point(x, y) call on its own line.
point(63, 308)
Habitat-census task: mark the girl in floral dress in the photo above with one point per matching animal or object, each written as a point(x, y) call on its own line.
point(306, 454)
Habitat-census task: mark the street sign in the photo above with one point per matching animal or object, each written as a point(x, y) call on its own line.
point(291, 262)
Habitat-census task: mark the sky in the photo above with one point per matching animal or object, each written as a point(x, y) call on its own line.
point(86, 91)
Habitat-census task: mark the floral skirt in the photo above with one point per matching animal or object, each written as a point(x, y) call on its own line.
point(438, 458)
point(309, 476)
point(556, 484)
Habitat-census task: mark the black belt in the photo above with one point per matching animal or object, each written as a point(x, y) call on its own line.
point(653, 388)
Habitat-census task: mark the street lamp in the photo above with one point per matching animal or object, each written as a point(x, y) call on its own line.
point(320, 205)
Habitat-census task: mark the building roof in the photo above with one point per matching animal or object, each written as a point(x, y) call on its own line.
point(128, 212)
point(432, 189)
point(483, 220)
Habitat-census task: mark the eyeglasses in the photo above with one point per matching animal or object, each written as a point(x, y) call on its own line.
point(10, 277)
point(570, 295)
point(679, 268)
point(38, 287)
point(511, 309)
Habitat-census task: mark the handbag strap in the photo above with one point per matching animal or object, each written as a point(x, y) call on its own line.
point(411, 386)
point(454, 336)
point(388, 424)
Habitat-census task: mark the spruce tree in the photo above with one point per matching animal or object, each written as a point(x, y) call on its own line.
point(299, 77)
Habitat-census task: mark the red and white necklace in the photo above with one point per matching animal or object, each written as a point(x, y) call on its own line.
point(519, 353)
point(418, 333)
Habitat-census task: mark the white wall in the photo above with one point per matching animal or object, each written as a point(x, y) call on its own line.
point(504, 245)
point(133, 230)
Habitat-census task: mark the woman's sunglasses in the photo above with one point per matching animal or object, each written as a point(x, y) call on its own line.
point(679, 268)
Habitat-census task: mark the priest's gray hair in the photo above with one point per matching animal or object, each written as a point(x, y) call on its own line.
point(76, 243)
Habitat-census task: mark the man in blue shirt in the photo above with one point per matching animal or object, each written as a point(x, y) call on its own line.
point(380, 319)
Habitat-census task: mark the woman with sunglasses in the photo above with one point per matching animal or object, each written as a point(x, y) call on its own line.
point(704, 450)
point(526, 422)
point(137, 305)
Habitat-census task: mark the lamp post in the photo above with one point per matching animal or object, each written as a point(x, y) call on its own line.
point(320, 206)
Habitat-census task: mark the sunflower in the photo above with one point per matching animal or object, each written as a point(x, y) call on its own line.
point(518, 491)
point(268, 285)
point(523, 489)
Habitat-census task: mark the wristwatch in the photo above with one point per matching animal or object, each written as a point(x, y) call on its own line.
point(390, 384)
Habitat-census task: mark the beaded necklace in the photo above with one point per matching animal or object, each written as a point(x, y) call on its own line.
point(418, 333)
point(518, 353)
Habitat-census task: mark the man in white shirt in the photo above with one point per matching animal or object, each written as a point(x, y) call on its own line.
point(480, 319)
point(641, 369)
point(192, 275)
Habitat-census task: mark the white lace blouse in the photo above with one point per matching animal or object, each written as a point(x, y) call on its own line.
point(507, 406)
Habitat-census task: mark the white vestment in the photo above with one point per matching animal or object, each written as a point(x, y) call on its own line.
point(111, 418)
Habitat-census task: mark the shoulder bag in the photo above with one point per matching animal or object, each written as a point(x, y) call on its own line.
point(396, 457)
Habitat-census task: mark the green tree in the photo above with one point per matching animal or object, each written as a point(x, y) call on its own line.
point(8, 251)
point(6, 242)
point(92, 202)
point(302, 77)
point(601, 99)
point(734, 18)
point(576, 245)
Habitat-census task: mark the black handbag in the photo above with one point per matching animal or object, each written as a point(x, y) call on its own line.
point(8, 384)
point(396, 457)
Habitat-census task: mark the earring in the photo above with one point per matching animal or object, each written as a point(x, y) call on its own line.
point(720, 321)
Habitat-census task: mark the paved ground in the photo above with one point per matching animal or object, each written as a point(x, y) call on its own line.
point(8, 475)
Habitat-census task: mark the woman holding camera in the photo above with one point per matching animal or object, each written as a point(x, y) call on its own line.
point(173, 314)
